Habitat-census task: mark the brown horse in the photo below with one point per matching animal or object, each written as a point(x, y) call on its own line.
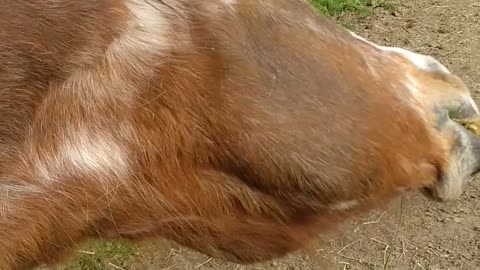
point(239, 128)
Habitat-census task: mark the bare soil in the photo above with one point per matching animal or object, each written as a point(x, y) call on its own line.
point(412, 233)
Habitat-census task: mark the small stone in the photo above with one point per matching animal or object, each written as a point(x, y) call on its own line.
point(394, 13)
point(442, 30)
point(410, 23)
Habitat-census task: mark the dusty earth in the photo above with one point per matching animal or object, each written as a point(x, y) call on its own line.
point(412, 233)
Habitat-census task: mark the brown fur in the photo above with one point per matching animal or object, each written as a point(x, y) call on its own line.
point(239, 137)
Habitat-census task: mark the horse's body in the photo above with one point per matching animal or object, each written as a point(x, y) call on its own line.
point(241, 129)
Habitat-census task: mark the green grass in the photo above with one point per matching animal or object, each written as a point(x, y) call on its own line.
point(102, 255)
point(332, 8)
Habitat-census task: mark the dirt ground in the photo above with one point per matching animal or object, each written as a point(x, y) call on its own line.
point(412, 233)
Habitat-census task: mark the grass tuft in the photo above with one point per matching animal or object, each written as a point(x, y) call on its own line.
point(333, 8)
point(103, 255)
